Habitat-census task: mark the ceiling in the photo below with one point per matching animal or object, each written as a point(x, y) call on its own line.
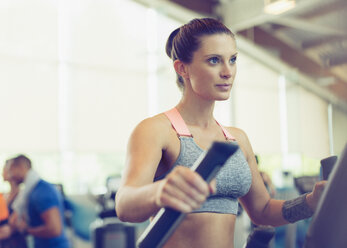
point(311, 37)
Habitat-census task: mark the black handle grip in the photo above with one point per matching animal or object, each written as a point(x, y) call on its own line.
point(327, 165)
point(167, 219)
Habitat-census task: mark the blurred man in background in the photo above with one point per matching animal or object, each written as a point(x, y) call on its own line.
point(38, 209)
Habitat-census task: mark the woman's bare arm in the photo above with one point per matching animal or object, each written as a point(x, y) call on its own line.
point(138, 198)
point(257, 202)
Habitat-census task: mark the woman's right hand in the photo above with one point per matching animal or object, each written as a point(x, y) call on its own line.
point(183, 190)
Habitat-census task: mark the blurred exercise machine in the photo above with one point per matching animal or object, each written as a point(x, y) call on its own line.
point(112, 233)
point(260, 237)
point(328, 226)
point(327, 165)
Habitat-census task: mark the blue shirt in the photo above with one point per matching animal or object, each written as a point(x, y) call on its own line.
point(42, 198)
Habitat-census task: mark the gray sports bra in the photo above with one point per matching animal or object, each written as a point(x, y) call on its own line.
point(233, 180)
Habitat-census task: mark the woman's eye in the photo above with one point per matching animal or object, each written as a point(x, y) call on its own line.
point(213, 60)
point(233, 60)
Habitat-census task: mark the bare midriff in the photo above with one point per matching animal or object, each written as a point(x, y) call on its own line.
point(204, 230)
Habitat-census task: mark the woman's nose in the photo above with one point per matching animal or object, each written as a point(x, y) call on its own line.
point(226, 71)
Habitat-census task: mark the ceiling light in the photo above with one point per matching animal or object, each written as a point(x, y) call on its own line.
point(276, 7)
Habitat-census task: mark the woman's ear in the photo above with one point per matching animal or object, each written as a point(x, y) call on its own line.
point(181, 69)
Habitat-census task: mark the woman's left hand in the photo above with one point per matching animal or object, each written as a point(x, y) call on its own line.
point(313, 197)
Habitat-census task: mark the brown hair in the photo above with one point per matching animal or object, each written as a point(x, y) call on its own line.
point(21, 159)
point(185, 40)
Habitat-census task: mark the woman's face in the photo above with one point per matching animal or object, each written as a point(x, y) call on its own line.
point(213, 68)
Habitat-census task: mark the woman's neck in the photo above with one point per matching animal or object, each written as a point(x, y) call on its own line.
point(196, 111)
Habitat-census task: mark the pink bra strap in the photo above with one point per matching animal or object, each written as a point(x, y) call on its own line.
point(181, 128)
point(226, 133)
point(178, 123)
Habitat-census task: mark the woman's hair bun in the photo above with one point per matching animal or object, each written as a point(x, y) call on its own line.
point(169, 42)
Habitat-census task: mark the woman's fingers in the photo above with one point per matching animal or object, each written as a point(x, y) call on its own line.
point(194, 180)
point(183, 190)
point(172, 202)
point(213, 186)
point(184, 193)
point(190, 183)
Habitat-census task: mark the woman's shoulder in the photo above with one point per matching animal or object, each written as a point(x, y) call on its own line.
point(241, 138)
point(157, 122)
point(243, 141)
point(156, 128)
point(237, 133)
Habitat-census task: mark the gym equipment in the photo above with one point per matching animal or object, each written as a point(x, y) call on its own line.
point(328, 225)
point(260, 237)
point(305, 184)
point(111, 233)
point(168, 219)
point(327, 165)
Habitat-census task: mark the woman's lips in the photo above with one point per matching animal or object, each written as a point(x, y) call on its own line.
point(223, 87)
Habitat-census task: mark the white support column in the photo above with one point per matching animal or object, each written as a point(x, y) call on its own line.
point(152, 62)
point(65, 126)
point(283, 120)
point(330, 127)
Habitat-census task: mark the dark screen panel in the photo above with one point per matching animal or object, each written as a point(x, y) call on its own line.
point(115, 239)
point(329, 224)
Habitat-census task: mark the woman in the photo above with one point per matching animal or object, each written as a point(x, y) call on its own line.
point(204, 57)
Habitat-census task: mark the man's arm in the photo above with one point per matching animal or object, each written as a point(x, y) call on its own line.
point(5, 231)
point(52, 226)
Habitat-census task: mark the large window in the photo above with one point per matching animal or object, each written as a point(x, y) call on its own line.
point(76, 76)
point(75, 79)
